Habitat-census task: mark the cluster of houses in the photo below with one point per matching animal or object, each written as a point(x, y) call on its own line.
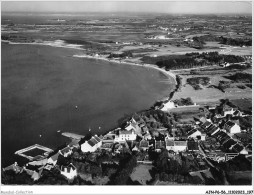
point(219, 138)
point(229, 139)
point(35, 168)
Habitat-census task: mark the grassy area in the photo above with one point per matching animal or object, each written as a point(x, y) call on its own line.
point(141, 174)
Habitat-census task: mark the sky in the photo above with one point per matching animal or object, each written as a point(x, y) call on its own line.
point(174, 7)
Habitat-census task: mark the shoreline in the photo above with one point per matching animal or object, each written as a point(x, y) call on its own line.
point(78, 47)
point(168, 74)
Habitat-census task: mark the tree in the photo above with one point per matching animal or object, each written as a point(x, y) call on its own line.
point(162, 161)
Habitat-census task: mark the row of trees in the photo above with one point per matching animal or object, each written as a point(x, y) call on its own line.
point(191, 60)
point(222, 40)
point(121, 55)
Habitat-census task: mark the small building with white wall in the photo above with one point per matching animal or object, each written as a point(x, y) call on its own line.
point(232, 128)
point(91, 145)
point(69, 171)
point(125, 135)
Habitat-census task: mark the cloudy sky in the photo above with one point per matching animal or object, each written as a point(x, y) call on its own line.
point(196, 7)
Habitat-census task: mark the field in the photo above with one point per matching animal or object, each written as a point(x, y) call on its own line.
point(210, 94)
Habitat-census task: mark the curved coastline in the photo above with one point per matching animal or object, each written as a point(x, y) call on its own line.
point(78, 47)
point(169, 74)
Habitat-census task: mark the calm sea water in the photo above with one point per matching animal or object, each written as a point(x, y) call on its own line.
point(42, 85)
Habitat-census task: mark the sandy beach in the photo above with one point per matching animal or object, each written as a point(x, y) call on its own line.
point(60, 43)
point(167, 73)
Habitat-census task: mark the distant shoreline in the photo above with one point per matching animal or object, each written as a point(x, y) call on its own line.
point(56, 44)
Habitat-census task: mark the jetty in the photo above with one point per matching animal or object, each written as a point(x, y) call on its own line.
point(73, 135)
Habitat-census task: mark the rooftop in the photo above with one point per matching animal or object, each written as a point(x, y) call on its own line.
point(192, 145)
point(68, 168)
point(180, 143)
point(230, 124)
point(143, 143)
point(169, 142)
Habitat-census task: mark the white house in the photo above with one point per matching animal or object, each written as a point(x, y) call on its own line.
point(91, 145)
point(194, 133)
point(167, 105)
point(180, 146)
point(133, 125)
point(125, 135)
point(227, 110)
point(65, 151)
point(232, 128)
point(69, 171)
point(53, 159)
point(176, 146)
point(203, 136)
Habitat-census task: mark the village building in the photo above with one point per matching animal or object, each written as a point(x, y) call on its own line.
point(169, 144)
point(243, 137)
point(237, 113)
point(206, 125)
point(227, 110)
point(237, 148)
point(67, 151)
point(158, 145)
point(232, 128)
point(192, 146)
point(225, 139)
point(167, 105)
point(212, 129)
point(229, 144)
point(132, 125)
point(74, 143)
point(34, 171)
point(49, 166)
point(217, 156)
point(135, 148)
point(194, 133)
point(126, 135)
point(107, 146)
point(91, 145)
point(147, 136)
point(53, 159)
point(108, 138)
point(118, 148)
point(14, 167)
point(144, 145)
point(180, 146)
point(203, 120)
point(69, 171)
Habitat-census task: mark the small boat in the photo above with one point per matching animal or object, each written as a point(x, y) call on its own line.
point(89, 129)
point(40, 135)
point(58, 131)
point(99, 127)
point(76, 107)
